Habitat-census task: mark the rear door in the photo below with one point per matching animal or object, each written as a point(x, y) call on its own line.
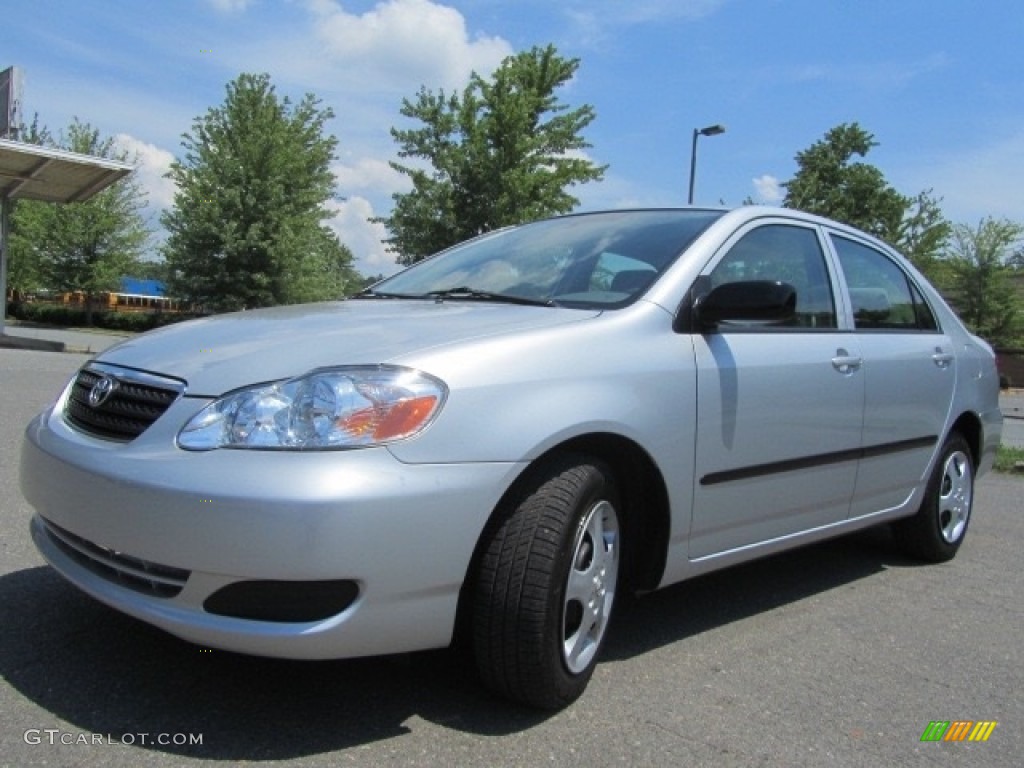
point(779, 407)
point(909, 372)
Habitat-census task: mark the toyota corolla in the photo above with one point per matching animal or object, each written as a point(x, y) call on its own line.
point(509, 436)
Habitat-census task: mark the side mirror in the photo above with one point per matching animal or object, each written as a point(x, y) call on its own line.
point(750, 301)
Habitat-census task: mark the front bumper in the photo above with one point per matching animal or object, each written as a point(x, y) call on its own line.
point(404, 534)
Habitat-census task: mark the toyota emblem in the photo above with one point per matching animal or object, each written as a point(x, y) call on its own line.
point(101, 391)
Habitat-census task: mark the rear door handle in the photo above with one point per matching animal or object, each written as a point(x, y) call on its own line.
point(942, 359)
point(846, 363)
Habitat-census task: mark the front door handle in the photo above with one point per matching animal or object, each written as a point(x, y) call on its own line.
point(846, 363)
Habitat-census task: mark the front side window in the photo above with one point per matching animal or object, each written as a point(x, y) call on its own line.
point(788, 254)
point(882, 296)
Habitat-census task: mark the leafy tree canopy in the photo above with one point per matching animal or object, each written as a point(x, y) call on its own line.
point(924, 232)
point(25, 274)
point(246, 229)
point(980, 263)
point(502, 152)
point(830, 183)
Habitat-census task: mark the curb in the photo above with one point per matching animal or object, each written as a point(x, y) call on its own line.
point(24, 342)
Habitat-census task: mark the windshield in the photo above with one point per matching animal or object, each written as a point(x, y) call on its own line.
point(596, 260)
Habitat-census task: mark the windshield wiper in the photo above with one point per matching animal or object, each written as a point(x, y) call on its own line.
point(369, 293)
point(473, 294)
point(462, 292)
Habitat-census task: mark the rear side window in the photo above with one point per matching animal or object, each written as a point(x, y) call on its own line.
point(883, 296)
point(779, 252)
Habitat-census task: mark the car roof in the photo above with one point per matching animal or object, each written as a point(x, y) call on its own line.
point(739, 215)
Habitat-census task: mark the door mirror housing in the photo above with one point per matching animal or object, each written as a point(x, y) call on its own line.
point(747, 301)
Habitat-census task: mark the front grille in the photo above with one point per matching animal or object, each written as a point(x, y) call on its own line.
point(132, 572)
point(134, 403)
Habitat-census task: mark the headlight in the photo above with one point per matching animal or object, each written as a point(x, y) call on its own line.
point(327, 408)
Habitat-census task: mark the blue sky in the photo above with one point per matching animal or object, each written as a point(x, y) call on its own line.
point(939, 83)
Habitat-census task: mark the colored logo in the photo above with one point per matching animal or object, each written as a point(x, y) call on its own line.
point(959, 730)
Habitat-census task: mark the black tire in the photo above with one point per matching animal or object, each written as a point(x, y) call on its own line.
point(556, 545)
point(937, 530)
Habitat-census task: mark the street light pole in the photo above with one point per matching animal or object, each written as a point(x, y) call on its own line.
point(711, 130)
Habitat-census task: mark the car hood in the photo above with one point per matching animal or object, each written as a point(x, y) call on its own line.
point(217, 354)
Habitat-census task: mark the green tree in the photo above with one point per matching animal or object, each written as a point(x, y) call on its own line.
point(924, 234)
point(1017, 260)
point(368, 280)
point(150, 269)
point(503, 152)
point(979, 279)
point(246, 229)
point(24, 273)
point(84, 246)
point(829, 183)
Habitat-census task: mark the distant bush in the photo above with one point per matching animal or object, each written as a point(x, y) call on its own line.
point(49, 314)
point(54, 314)
point(135, 322)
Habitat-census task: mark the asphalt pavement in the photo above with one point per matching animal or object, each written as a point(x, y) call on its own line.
point(838, 654)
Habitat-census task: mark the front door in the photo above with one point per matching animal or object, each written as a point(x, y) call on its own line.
point(779, 414)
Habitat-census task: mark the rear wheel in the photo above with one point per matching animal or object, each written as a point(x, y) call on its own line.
point(936, 532)
point(546, 584)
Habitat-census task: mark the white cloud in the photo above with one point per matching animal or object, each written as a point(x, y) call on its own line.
point(596, 21)
point(402, 44)
point(364, 238)
point(230, 6)
point(368, 174)
point(768, 189)
point(151, 166)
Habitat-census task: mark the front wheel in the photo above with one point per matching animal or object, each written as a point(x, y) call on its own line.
point(936, 532)
point(546, 583)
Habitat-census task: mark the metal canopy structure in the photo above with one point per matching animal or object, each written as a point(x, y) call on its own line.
point(30, 172)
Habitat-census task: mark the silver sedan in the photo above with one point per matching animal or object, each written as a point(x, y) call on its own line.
point(505, 437)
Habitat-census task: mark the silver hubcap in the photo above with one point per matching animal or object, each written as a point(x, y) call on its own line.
point(590, 590)
point(955, 496)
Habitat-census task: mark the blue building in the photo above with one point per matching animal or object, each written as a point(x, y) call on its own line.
point(140, 287)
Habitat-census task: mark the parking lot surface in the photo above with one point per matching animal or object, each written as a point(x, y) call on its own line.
point(1011, 402)
point(838, 654)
